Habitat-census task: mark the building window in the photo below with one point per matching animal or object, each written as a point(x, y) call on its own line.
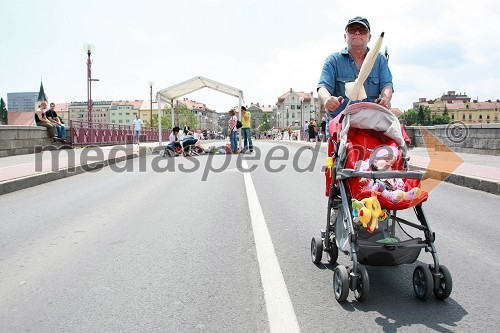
point(463, 117)
point(470, 116)
point(480, 116)
point(452, 116)
point(292, 107)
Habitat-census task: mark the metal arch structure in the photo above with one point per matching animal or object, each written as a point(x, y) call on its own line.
point(168, 95)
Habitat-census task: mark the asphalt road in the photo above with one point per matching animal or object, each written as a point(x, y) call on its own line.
point(164, 245)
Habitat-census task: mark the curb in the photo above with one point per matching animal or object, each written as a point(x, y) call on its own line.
point(46, 177)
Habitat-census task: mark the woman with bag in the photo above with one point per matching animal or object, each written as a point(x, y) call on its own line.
point(232, 131)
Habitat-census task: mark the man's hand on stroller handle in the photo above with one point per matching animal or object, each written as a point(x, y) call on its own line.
point(333, 103)
point(385, 97)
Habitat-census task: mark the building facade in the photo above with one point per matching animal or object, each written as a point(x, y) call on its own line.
point(294, 108)
point(460, 108)
point(21, 101)
point(100, 111)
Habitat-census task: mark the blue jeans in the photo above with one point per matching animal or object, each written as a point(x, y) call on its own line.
point(61, 131)
point(234, 141)
point(247, 138)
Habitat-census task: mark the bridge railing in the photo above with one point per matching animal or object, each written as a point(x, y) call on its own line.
point(82, 134)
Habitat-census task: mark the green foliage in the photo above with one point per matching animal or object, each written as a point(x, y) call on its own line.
point(445, 112)
point(3, 111)
point(441, 119)
point(265, 125)
point(422, 117)
point(187, 117)
point(410, 117)
point(166, 119)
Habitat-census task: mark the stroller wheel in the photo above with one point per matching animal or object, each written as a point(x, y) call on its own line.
point(363, 287)
point(316, 249)
point(340, 283)
point(443, 290)
point(333, 254)
point(422, 282)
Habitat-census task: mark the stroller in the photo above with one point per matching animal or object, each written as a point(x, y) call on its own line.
point(362, 220)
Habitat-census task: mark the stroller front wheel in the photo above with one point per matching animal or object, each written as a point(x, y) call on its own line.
point(363, 287)
point(340, 283)
point(316, 249)
point(423, 283)
point(443, 289)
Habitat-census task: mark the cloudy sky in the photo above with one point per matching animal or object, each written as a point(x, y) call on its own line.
point(262, 47)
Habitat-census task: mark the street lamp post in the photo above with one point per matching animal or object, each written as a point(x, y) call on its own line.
point(278, 119)
point(151, 84)
point(89, 48)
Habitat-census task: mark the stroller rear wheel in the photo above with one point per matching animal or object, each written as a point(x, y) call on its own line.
point(340, 283)
point(363, 287)
point(333, 253)
point(316, 249)
point(423, 283)
point(443, 289)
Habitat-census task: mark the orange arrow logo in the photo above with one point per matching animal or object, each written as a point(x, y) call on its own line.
point(442, 161)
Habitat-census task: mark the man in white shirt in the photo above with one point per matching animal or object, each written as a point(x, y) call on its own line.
point(137, 128)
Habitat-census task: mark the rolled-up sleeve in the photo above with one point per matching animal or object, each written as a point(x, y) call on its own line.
point(385, 73)
point(326, 79)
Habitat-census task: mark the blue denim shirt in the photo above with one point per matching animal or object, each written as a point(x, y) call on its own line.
point(340, 68)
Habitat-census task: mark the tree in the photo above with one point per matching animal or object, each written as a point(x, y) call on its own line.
point(445, 112)
point(265, 125)
point(3, 112)
point(440, 119)
point(410, 117)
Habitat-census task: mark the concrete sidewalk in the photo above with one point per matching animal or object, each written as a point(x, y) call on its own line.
point(479, 172)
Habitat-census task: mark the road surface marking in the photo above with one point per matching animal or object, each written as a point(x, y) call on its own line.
point(280, 312)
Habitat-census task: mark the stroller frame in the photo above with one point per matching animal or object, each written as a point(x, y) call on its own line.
point(341, 234)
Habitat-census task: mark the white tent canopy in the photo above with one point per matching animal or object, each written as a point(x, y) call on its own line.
point(199, 82)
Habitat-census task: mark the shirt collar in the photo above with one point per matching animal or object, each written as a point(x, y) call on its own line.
point(345, 52)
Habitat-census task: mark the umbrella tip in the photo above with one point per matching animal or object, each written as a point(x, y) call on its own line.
point(382, 34)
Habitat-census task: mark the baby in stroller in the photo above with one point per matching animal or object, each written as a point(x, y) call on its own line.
point(367, 182)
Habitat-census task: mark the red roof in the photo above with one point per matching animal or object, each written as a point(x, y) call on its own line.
point(21, 118)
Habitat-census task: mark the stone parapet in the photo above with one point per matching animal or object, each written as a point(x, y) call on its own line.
point(18, 140)
point(473, 139)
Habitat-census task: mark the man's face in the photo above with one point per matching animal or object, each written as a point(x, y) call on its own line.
point(357, 35)
point(52, 106)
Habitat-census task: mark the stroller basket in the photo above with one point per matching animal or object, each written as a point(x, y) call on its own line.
point(378, 254)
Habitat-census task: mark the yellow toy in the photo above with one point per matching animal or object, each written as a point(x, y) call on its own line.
point(368, 211)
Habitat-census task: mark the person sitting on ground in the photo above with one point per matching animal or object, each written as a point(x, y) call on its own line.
point(41, 120)
point(174, 146)
point(175, 135)
point(188, 140)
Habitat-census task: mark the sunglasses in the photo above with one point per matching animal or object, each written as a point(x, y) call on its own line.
point(352, 30)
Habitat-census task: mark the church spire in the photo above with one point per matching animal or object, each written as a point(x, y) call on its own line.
point(41, 94)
